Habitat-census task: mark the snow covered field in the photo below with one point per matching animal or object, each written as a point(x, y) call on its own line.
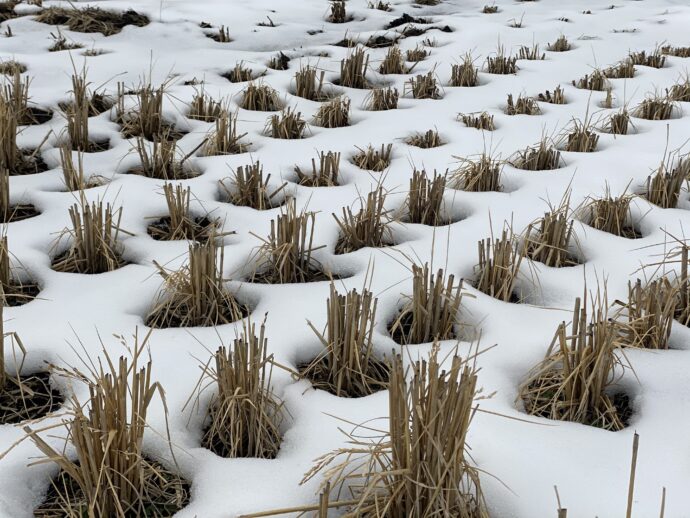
point(521, 457)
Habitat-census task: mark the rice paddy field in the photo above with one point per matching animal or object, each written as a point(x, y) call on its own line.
point(383, 259)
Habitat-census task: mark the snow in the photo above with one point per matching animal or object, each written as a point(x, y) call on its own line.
point(522, 460)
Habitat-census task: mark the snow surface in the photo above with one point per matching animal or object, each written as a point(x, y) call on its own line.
point(522, 461)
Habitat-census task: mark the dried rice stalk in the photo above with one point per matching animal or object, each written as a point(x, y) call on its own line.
point(432, 312)
point(645, 319)
point(573, 382)
point(348, 366)
point(195, 295)
point(370, 227)
point(499, 265)
point(420, 467)
point(245, 416)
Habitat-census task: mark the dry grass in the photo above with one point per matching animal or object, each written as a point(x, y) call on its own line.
point(464, 73)
point(557, 97)
point(205, 108)
point(147, 119)
point(560, 45)
point(393, 62)
point(611, 215)
point(348, 366)
point(499, 265)
point(369, 227)
point(432, 312)
point(7, 11)
point(61, 43)
point(180, 223)
point(260, 97)
point(11, 68)
point(353, 69)
point(249, 188)
point(427, 140)
point(195, 295)
point(542, 157)
point(286, 255)
point(531, 53)
point(288, 124)
point(680, 92)
point(581, 138)
point(94, 246)
point(645, 319)
point(595, 81)
point(161, 160)
point(480, 175)
point(374, 159)
point(323, 175)
point(681, 283)
point(224, 138)
point(239, 73)
point(12, 159)
point(663, 187)
point(380, 99)
point(420, 467)
point(221, 35)
point(77, 114)
point(110, 474)
point(623, 70)
point(655, 108)
point(73, 174)
point(424, 86)
point(481, 121)
point(655, 59)
point(380, 5)
point(575, 379)
point(523, 106)
point(279, 62)
point(22, 397)
point(9, 213)
point(338, 12)
point(416, 54)
point(380, 41)
point(91, 19)
point(334, 113)
point(618, 123)
point(500, 63)
point(16, 288)
point(309, 83)
point(679, 52)
point(15, 93)
point(548, 239)
point(425, 199)
point(244, 416)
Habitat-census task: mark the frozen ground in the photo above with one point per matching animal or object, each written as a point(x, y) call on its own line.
point(522, 461)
